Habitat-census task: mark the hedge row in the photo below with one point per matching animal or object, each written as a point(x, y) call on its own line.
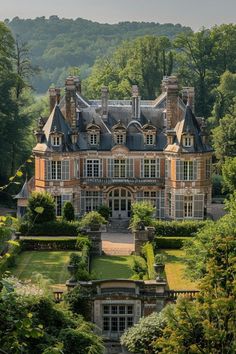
point(52, 228)
point(49, 244)
point(178, 228)
point(148, 253)
point(168, 242)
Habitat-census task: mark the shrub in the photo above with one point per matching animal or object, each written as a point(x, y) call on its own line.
point(142, 212)
point(148, 253)
point(79, 301)
point(168, 242)
point(178, 228)
point(139, 268)
point(52, 228)
point(8, 260)
point(68, 211)
point(41, 208)
point(82, 241)
point(93, 218)
point(49, 244)
point(104, 210)
point(5, 235)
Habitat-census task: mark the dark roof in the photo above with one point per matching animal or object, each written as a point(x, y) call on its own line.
point(56, 123)
point(190, 125)
point(24, 192)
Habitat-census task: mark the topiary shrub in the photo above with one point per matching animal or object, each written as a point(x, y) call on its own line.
point(51, 228)
point(104, 210)
point(41, 208)
point(68, 211)
point(147, 251)
point(93, 220)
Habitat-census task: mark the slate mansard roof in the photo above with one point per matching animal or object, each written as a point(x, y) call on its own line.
point(120, 112)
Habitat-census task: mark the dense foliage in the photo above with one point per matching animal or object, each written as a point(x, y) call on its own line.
point(206, 325)
point(68, 211)
point(142, 215)
point(51, 228)
point(58, 45)
point(41, 208)
point(32, 323)
point(185, 228)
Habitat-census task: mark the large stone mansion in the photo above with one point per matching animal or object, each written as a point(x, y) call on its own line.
point(115, 152)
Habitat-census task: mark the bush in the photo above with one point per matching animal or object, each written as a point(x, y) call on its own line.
point(8, 260)
point(139, 268)
point(50, 244)
point(168, 242)
point(5, 235)
point(142, 212)
point(178, 228)
point(79, 301)
point(41, 208)
point(148, 253)
point(93, 218)
point(52, 228)
point(82, 241)
point(68, 211)
point(104, 210)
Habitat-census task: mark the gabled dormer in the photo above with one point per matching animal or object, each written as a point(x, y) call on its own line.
point(56, 137)
point(149, 134)
point(119, 133)
point(93, 134)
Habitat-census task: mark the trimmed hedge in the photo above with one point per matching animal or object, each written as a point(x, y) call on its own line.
point(148, 253)
point(178, 228)
point(49, 244)
point(52, 228)
point(168, 242)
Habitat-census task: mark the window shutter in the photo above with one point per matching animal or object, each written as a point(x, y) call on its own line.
point(199, 206)
point(48, 170)
point(65, 170)
point(84, 168)
point(110, 167)
point(130, 168)
point(157, 168)
point(100, 168)
point(142, 168)
point(179, 206)
point(167, 168)
point(195, 165)
point(178, 170)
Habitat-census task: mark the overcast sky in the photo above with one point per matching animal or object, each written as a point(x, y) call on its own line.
point(194, 13)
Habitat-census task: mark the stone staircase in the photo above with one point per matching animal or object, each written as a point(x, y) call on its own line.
point(118, 225)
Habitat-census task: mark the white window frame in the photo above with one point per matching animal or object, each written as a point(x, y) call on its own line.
point(55, 140)
point(150, 139)
point(113, 317)
point(92, 166)
point(93, 139)
point(186, 170)
point(150, 168)
point(187, 141)
point(119, 168)
point(188, 207)
point(120, 139)
point(57, 170)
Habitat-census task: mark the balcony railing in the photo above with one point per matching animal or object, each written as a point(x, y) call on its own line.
point(123, 181)
point(174, 294)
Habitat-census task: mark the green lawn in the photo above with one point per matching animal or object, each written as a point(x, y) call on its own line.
point(175, 271)
point(52, 265)
point(106, 267)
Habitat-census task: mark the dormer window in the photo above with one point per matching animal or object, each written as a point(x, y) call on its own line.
point(93, 139)
point(119, 133)
point(150, 139)
point(187, 141)
point(93, 131)
point(56, 140)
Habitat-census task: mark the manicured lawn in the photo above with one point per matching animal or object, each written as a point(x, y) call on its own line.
point(174, 270)
point(106, 267)
point(52, 265)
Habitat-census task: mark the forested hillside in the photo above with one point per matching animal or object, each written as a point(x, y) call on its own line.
point(57, 44)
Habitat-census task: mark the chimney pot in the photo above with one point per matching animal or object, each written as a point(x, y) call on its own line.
point(105, 93)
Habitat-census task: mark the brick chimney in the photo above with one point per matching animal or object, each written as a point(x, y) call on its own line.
point(170, 86)
point(136, 100)
point(188, 96)
point(70, 93)
point(58, 94)
point(77, 84)
point(52, 98)
point(105, 92)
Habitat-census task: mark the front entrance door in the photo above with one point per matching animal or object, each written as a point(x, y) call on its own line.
point(120, 203)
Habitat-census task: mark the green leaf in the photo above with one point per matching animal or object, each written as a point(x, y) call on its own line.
point(11, 178)
point(19, 173)
point(29, 160)
point(39, 210)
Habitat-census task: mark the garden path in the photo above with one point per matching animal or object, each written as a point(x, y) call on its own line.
point(117, 243)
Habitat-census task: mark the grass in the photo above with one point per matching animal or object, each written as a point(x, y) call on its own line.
point(175, 271)
point(108, 267)
point(51, 264)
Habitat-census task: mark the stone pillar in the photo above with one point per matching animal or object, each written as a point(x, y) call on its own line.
point(96, 239)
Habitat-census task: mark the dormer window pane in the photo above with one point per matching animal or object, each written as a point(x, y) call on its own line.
point(187, 141)
point(120, 139)
point(56, 140)
point(149, 139)
point(93, 139)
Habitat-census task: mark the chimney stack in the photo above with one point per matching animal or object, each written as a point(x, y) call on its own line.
point(77, 84)
point(170, 86)
point(188, 96)
point(135, 102)
point(105, 92)
point(70, 93)
point(52, 98)
point(58, 95)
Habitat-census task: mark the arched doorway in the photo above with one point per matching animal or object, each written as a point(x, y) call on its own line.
point(120, 203)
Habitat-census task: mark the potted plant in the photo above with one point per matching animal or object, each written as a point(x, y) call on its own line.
point(159, 265)
point(92, 220)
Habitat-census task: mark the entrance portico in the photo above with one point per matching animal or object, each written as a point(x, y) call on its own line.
point(120, 203)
